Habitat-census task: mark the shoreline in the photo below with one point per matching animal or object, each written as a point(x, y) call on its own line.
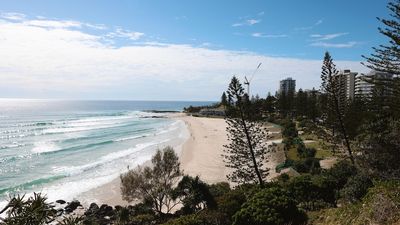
point(200, 155)
point(109, 193)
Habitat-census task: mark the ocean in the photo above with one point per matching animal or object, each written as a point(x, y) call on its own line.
point(65, 148)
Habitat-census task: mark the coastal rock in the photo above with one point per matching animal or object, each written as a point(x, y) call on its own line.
point(92, 210)
point(106, 210)
point(72, 206)
point(61, 202)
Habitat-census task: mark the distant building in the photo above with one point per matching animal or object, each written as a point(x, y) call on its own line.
point(364, 87)
point(287, 86)
point(346, 81)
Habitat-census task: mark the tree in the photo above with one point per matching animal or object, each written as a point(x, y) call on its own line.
point(380, 148)
point(301, 103)
point(313, 108)
point(356, 188)
point(336, 105)
point(379, 143)
point(195, 195)
point(270, 103)
point(32, 211)
point(285, 103)
point(387, 57)
point(153, 185)
point(270, 206)
point(224, 99)
point(246, 152)
point(355, 116)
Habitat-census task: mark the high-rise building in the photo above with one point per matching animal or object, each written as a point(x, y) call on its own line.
point(346, 82)
point(287, 85)
point(364, 87)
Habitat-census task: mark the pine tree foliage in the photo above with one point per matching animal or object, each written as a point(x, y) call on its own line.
point(224, 99)
point(336, 106)
point(386, 58)
point(246, 152)
point(379, 143)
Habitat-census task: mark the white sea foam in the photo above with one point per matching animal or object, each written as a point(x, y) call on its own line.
point(75, 170)
point(87, 124)
point(13, 145)
point(130, 138)
point(44, 146)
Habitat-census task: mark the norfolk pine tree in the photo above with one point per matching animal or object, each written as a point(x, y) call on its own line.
point(387, 59)
point(246, 152)
point(334, 106)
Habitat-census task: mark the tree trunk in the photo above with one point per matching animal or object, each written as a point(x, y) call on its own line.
point(260, 180)
point(343, 130)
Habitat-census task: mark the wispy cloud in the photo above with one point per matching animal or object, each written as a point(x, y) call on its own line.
point(44, 22)
point(320, 40)
point(121, 33)
point(261, 35)
point(181, 18)
point(349, 44)
point(12, 16)
point(249, 22)
point(53, 23)
point(78, 64)
point(317, 23)
point(324, 37)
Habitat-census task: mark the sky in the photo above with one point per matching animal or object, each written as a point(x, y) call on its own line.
point(177, 50)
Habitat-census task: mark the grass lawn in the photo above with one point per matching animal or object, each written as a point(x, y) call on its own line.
point(292, 154)
point(321, 153)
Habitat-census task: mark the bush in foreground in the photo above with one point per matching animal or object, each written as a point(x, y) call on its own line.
point(270, 206)
point(34, 210)
point(380, 206)
point(356, 188)
point(153, 185)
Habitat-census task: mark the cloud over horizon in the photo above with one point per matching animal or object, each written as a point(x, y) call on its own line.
point(62, 59)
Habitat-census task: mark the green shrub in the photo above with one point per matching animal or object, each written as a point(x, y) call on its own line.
point(379, 206)
point(356, 188)
point(304, 152)
point(201, 218)
point(308, 165)
point(231, 202)
point(270, 206)
point(219, 189)
point(341, 172)
point(310, 193)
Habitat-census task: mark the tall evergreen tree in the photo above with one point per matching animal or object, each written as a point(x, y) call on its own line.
point(270, 103)
point(334, 105)
point(224, 99)
point(301, 103)
point(246, 152)
point(313, 108)
point(379, 143)
point(386, 58)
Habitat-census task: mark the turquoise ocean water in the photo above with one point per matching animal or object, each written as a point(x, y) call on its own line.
point(64, 148)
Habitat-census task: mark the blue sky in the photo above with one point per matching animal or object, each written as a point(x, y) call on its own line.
point(176, 50)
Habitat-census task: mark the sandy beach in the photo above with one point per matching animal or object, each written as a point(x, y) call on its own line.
point(200, 155)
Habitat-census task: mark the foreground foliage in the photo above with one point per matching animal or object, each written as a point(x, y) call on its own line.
point(380, 206)
point(28, 211)
point(153, 185)
point(268, 207)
